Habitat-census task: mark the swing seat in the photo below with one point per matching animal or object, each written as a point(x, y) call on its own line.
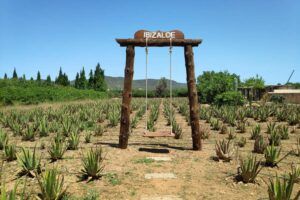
point(158, 134)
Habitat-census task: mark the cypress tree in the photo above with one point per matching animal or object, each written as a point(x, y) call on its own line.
point(77, 81)
point(24, 77)
point(62, 79)
point(91, 80)
point(48, 80)
point(65, 80)
point(99, 79)
point(58, 79)
point(15, 75)
point(5, 76)
point(38, 77)
point(82, 79)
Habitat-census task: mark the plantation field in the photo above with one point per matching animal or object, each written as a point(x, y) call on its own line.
point(63, 136)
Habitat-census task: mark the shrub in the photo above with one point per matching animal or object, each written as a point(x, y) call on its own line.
point(277, 98)
point(211, 83)
point(229, 98)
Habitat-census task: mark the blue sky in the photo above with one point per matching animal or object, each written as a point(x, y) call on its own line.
point(243, 37)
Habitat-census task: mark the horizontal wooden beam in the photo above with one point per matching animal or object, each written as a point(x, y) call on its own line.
point(158, 42)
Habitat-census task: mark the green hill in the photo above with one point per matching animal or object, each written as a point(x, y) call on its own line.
point(117, 83)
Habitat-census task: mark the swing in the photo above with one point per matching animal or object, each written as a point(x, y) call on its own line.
point(164, 133)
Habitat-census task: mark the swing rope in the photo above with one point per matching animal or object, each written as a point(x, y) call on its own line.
point(170, 54)
point(146, 80)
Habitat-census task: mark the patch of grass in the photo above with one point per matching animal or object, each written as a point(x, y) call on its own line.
point(144, 160)
point(113, 179)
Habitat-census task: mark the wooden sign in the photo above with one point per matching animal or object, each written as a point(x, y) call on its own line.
point(143, 34)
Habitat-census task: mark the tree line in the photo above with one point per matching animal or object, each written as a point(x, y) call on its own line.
point(95, 81)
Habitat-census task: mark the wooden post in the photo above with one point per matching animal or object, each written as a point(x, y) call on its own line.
point(193, 97)
point(125, 110)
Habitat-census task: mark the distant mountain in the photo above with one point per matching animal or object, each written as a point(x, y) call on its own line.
point(117, 83)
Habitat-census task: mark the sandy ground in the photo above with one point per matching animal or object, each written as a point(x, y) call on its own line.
point(198, 175)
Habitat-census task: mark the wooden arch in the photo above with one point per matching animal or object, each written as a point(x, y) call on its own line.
point(160, 39)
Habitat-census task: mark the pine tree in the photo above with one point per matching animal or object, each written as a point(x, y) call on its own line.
point(15, 75)
point(99, 79)
point(38, 77)
point(48, 80)
point(5, 76)
point(77, 81)
point(91, 80)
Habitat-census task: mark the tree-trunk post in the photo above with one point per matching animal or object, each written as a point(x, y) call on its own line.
point(193, 97)
point(125, 110)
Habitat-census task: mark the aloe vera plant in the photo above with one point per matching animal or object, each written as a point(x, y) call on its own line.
point(93, 163)
point(272, 155)
point(29, 162)
point(296, 149)
point(57, 150)
point(87, 137)
point(242, 142)
point(271, 127)
point(249, 169)
point(216, 124)
point(259, 145)
point(283, 131)
point(43, 128)
point(3, 139)
point(51, 185)
point(282, 189)
point(176, 130)
point(255, 132)
point(224, 150)
point(73, 141)
point(28, 134)
point(10, 152)
point(274, 138)
point(99, 130)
